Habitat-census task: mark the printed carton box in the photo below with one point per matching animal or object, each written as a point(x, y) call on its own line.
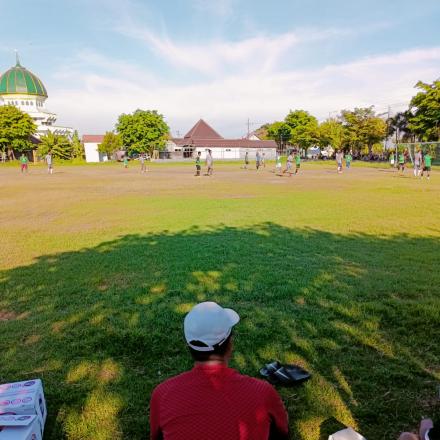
point(24, 427)
point(24, 398)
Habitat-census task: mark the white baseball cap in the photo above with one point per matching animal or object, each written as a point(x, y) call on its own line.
point(209, 324)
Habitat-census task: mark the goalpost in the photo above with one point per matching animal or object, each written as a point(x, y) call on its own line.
point(411, 147)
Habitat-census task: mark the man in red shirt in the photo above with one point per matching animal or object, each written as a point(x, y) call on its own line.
point(213, 401)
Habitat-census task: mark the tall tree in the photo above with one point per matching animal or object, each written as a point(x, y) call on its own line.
point(143, 131)
point(16, 128)
point(304, 128)
point(77, 147)
point(59, 145)
point(398, 126)
point(261, 132)
point(280, 132)
point(111, 143)
point(332, 132)
point(425, 106)
point(364, 128)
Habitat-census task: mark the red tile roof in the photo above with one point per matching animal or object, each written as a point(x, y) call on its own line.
point(224, 143)
point(93, 138)
point(203, 135)
point(202, 130)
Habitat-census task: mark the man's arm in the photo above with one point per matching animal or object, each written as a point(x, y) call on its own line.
point(279, 426)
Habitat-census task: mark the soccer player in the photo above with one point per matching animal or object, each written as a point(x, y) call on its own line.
point(257, 160)
point(24, 163)
point(198, 164)
point(209, 163)
point(348, 159)
point(49, 162)
point(278, 164)
point(142, 159)
point(297, 162)
point(289, 165)
point(213, 401)
point(125, 161)
point(427, 160)
point(339, 157)
point(401, 163)
point(246, 160)
point(417, 161)
point(263, 160)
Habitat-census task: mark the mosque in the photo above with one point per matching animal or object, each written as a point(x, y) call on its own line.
point(24, 90)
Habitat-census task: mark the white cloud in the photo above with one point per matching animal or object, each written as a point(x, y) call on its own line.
point(214, 58)
point(227, 101)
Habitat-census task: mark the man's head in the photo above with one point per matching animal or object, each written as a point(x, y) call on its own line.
point(208, 330)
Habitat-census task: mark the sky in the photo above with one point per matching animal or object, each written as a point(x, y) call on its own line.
point(226, 61)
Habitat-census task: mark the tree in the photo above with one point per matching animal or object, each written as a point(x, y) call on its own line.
point(59, 145)
point(363, 127)
point(425, 106)
point(262, 131)
point(280, 132)
point(143, 131)
point(398, 125)
point(332, 132)
point(77, 147)
point(111, 143)
point(16, 128)
point(304, 128)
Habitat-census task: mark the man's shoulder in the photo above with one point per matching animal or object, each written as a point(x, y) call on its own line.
point(188, 378)
point(252, 382)
point(172, 382)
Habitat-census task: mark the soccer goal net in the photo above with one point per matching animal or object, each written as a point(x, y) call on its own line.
point(410, 148)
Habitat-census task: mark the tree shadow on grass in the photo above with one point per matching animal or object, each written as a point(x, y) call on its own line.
point(103, 326)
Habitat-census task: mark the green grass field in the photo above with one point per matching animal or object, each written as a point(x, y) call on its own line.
point(338, 273)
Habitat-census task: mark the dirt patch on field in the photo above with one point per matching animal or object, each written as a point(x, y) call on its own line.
point(8, 315)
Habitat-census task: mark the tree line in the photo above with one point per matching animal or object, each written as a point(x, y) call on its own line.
point(361, 129)
point(143, 131)
point(17, 129)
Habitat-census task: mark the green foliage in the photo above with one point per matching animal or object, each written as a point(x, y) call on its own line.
point(143, 131)
point(111, 143)
point(425, 121)
point(16, 127)
point(304, 128)
point(59, 145)
point(398, 125)
point(363, 128)
point(77, 147)
point(261, 132)
point(333, 133)
point(280, 132)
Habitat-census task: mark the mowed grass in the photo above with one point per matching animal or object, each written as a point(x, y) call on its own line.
point(337, 273)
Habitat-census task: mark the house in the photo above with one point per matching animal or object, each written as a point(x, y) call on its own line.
point(203, 137)
point(91, 142)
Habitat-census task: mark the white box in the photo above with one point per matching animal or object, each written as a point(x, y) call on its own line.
point(346, 434)
point(22, 427)
point(24, 398)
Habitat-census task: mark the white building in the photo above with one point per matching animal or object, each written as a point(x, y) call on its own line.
point(91, 143)
point(21, 88)
point(203, 137)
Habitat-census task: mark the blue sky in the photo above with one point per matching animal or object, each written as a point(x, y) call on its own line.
point(223, 60)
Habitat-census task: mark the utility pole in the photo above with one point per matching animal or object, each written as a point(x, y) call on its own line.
point(248, 128)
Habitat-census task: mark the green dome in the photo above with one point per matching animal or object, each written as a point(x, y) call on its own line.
point(19, 80)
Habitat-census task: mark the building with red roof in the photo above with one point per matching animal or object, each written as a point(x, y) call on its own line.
point(203, 137)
